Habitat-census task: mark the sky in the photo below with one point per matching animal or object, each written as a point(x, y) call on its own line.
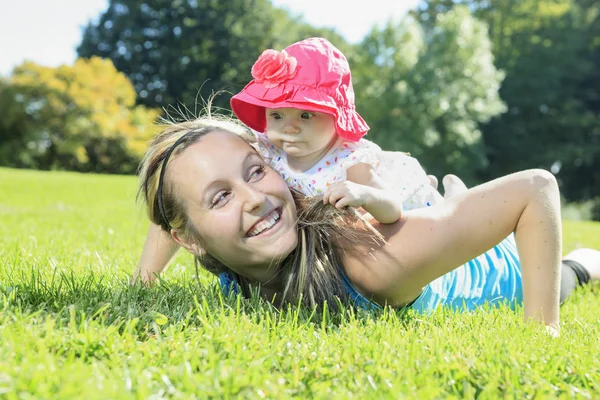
point(48, 31)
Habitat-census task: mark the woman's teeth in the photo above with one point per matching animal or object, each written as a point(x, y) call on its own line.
point(265, 224)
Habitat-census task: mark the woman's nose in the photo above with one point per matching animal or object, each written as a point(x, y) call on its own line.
point(253, 198)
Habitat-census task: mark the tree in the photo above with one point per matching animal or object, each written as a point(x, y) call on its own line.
point(173, 51)
point(425, 91)
point(580, 175)
point(13, 127)
point(176, 52)
point(551, 88)
point(81, 117)
point(288, 29)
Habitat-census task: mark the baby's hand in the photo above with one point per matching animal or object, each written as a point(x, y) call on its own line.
point(347, 193)
point(383, 205)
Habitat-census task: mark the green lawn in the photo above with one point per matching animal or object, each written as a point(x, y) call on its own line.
point(71, 327)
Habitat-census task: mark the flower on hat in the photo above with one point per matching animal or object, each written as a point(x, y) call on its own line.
point(274, 67)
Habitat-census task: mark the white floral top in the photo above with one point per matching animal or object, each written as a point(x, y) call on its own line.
point(397, 169)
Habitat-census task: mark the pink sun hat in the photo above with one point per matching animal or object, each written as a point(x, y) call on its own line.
point(311, 75)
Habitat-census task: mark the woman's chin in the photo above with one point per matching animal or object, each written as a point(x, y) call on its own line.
point(265, 251)
point(284, 245)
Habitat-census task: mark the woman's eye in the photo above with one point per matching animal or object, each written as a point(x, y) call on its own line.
point(219, 199)
point(258, 173)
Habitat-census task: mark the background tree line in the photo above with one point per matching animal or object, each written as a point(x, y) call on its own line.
point(472, 87)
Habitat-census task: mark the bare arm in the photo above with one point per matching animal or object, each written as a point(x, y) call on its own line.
point(158, 251)
point(429, 242)
point(364, 188)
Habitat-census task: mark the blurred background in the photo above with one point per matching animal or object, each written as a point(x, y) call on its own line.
point(477, 88)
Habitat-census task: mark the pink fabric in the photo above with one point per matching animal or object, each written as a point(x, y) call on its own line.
point(311, 75)
point(274, 67)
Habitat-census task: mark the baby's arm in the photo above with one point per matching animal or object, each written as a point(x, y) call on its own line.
point(158, 251)
point(364, 188)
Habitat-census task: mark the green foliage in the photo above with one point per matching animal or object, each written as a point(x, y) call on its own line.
point(71, 326)
point(426, 91)
point(288, 28)
point(175, 52)
point(581, 173)
point(14, 134)
point(169, 50)
point(550, 53)
point(81, 117)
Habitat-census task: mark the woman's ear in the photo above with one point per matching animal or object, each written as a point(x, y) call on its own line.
point(190, 245)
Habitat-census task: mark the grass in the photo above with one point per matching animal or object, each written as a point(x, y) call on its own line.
point(72, 327)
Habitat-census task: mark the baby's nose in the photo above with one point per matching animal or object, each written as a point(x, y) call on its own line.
point(291, 128)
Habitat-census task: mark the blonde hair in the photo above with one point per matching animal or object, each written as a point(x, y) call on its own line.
point(312, 273)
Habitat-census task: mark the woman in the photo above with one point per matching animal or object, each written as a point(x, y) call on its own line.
point(217, 197)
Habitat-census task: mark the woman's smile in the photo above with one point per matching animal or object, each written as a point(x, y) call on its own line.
point(267, 225)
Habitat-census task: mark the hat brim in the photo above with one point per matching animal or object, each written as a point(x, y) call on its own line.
point(249, 106)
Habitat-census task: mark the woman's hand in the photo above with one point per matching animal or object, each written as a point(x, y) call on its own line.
point(553, 331)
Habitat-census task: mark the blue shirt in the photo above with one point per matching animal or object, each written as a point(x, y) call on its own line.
point(494, 278)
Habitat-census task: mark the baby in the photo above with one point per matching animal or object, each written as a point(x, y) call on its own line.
point(301, 103)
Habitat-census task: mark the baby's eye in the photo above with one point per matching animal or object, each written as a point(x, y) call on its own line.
point(276, 115)
point(306, 115)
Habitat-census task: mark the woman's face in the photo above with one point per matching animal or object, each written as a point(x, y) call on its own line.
point(241, 210)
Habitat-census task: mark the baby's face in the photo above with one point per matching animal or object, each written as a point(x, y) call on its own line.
point(298, 132)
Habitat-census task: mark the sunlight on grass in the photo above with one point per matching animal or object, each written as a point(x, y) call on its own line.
point(72, 327)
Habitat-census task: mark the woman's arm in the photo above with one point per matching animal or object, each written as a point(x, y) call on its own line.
point(429, 242)
point(158, 251)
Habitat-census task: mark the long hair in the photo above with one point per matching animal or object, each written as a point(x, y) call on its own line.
point(312, 273)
